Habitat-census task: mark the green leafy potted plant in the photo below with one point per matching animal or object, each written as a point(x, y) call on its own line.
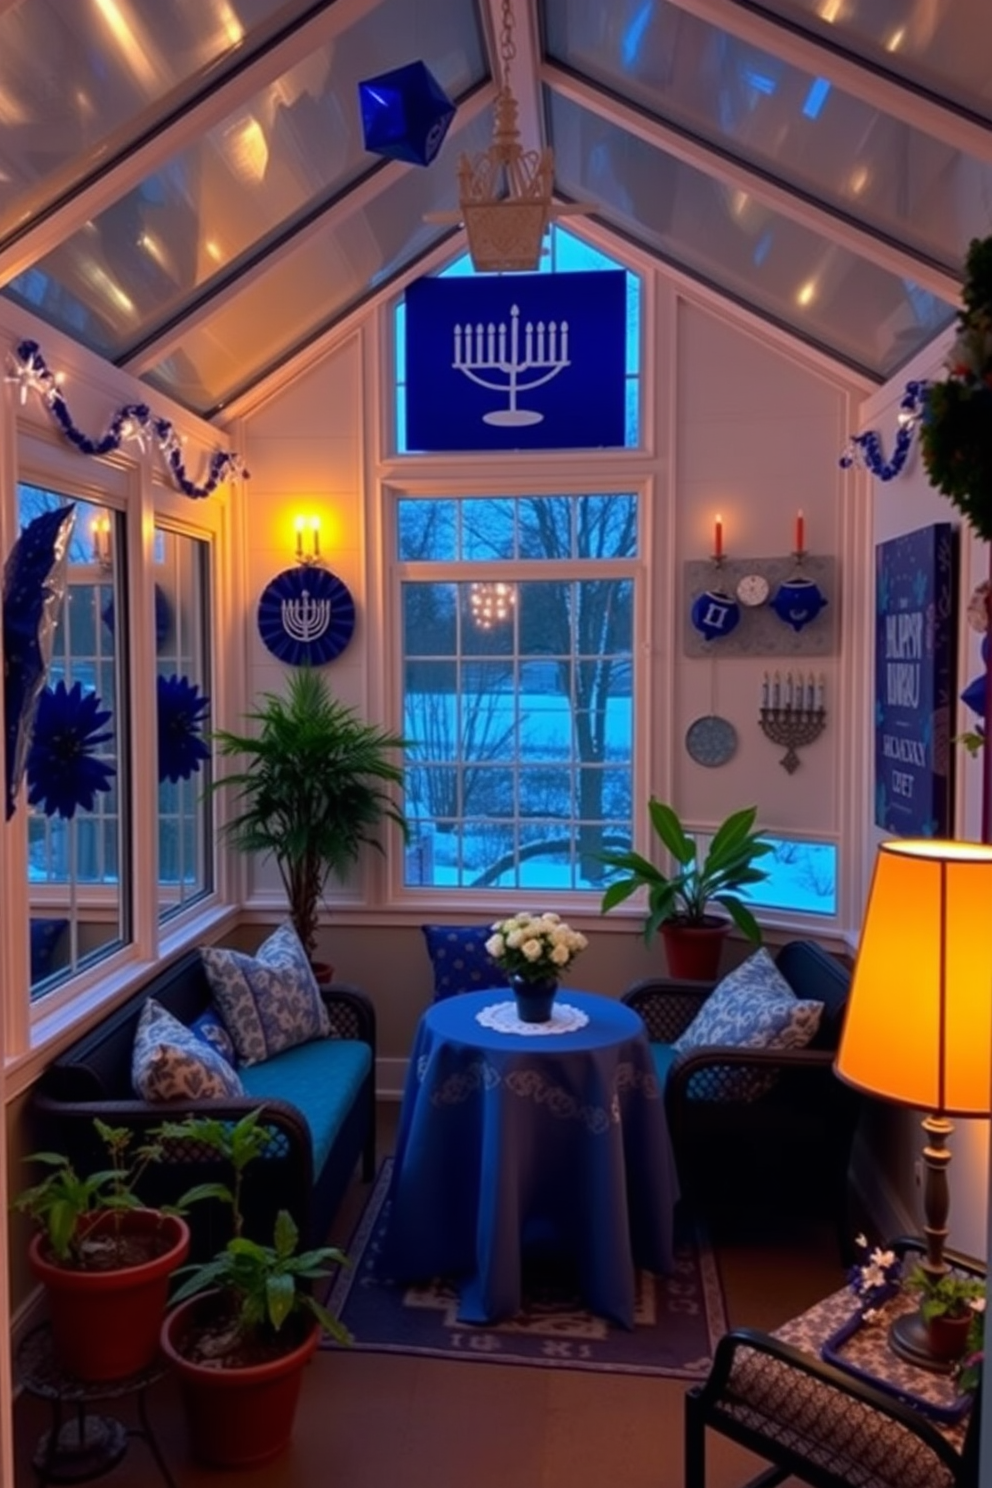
point(244, 1323)
point(947, 1307)
point(313, 789)
point(104, 1259)
point(679, 903)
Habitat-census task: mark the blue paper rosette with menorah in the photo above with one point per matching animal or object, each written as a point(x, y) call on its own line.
point(306, 616)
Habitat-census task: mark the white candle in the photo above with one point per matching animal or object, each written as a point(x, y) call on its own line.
point(820, 691)
point(787, 695)
point(810, 692)
point(777, 690)
point(765, 685)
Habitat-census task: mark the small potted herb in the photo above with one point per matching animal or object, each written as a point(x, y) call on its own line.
point(104, 1259)
point(245, 1323)
point(947, 1305)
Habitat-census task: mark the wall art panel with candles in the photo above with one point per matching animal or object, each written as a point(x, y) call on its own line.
point(761, 630)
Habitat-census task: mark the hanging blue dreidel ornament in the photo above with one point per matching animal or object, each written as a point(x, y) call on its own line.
point(715, 614)
point(797, 601)
point(405, 114)
point(975, 694)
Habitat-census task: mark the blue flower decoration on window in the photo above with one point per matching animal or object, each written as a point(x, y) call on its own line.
point(63, 773)
point(181, 712)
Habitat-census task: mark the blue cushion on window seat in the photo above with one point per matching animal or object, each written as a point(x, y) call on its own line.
point(321, 1078)
point(460, 960)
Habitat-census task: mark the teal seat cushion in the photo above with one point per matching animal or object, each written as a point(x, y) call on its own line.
point(321, 1078)
point(664, 1056)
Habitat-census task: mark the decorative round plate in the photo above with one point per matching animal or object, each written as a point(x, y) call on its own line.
point(711, 740)
point(306, 616)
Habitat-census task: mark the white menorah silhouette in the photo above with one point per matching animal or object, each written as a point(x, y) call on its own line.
point(306, 619)
point(480, 349)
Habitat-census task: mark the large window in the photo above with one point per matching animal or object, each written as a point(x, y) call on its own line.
point(183, 715)
point(517, 635)
point(74, 790)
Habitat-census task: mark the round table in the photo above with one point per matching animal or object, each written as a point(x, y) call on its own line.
point(508, 1139)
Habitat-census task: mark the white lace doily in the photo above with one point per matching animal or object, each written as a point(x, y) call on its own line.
point(503, 1017)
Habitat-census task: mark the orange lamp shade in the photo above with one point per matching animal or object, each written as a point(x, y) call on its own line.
point(918, 1028)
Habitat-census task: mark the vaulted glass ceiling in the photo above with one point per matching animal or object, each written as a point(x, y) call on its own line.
point(184, 186)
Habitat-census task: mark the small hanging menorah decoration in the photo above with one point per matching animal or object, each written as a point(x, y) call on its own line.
point(792, 713)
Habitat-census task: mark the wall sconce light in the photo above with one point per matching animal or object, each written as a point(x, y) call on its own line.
point(307, 553)
point(100, 530)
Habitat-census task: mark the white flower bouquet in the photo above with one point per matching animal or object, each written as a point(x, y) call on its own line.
point(537, 948)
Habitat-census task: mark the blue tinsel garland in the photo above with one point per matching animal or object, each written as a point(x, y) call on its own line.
point(866, 449)
point(133, 421)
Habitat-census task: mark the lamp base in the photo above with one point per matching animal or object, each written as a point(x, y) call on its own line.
point(910, 1339)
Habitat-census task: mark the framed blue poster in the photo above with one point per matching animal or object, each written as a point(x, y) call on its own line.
point(516, 361)
point(915, 630)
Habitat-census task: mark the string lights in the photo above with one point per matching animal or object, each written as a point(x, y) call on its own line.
point(133, 423)
point(865, 450)
point(491, 603)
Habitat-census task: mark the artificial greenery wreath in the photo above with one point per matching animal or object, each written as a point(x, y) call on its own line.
point(956, 433)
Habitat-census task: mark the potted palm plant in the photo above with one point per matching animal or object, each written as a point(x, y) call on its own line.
point(679, 903)
point(245, 1323)
point(104, 1259)
point(314, 787)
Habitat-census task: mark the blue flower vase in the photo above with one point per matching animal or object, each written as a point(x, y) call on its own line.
point(535, 1000)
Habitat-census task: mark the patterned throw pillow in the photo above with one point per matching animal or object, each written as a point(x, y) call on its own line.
point(752, 1008)
point(211, 1030)
point(269, 1001)
point(460, 960)
point(170, 1063)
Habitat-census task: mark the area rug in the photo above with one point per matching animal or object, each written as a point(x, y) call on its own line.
point(678, 1318)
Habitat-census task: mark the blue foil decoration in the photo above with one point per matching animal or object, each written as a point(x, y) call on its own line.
point(797, 601)
point(181, 714)
point(34, 578)
point(63, 774)
point(715, 614)
point(306, 616)
point(405, 114)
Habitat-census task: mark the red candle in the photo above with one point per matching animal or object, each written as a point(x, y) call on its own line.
point(800, 533)
point(718, 538)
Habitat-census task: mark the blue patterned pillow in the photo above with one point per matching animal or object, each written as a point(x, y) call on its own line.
point(460, 960)
point(170, 1063)
point(269, 1001)
point(211, 1030)
point(752, 1008)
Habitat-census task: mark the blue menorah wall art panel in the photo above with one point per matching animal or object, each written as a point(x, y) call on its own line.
point(516, 361)
point(306, 616)
point(915, 629)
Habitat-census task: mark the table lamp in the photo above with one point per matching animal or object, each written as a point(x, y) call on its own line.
point(918, 1029)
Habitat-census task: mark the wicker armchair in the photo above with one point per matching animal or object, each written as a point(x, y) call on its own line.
point(773, 1394)
point(786, 1150)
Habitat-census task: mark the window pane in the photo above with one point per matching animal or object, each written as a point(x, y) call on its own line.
point(183, 701)
point(521, 770)
point(78, 902)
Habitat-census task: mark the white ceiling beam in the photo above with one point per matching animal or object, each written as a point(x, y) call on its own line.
point(355, 200)
point(849, 75)
point(525, 82)
point(778, 196)
point(99, 193)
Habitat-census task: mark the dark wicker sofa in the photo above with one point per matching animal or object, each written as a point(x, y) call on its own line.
point(787, 1151)
point(93, 1078)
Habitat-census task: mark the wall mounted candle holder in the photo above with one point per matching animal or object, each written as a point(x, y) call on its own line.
point(792, 714)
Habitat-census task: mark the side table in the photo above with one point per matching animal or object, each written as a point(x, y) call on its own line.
point(83, 1446)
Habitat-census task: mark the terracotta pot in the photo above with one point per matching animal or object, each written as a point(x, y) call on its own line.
point(948, 1336)
point(693, 951)
point(235, 1417)
point(105, 1324)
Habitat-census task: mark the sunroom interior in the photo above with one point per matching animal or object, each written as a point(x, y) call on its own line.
point(191, 225)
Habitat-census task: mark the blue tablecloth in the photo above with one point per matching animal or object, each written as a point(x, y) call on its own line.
point(506, 1138)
